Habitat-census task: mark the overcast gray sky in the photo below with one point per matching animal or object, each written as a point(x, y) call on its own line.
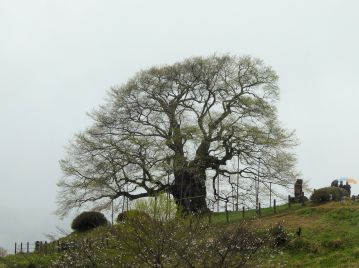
point(58, 59)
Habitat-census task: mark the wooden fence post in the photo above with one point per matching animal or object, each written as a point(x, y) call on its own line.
point(259, 209)
point(288, 201)
point(243, 211)
point(155, 208)
point(15, 248)
point(45, 247)
point(274, 206)
point(21, 247)
point(27, 247)
point(227, 216)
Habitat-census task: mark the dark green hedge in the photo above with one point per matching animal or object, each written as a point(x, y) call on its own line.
point(327, 194)
point(88, 220)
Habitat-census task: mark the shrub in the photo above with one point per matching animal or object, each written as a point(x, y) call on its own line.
point(300, 243)
point(303, 244)
point(189, 242)
point(279, 235)
point(326, 194)
point(333, 244)
point(180, 242)
point(88, 220)
point(134, 213)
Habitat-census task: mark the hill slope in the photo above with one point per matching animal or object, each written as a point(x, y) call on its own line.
point(329, 236)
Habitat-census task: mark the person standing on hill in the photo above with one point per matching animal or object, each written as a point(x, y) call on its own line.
point(347, 187)
point(334, 183)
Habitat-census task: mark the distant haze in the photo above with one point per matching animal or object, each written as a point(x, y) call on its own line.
point(58, 59)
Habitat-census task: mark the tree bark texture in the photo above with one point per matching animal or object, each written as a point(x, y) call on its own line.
point(189, 190)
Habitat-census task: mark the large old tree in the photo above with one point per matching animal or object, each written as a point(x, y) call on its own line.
point(176, 128)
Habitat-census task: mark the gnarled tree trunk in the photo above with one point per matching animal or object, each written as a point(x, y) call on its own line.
point(189, 190)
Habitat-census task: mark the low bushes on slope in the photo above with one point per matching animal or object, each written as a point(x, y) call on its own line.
point(326, 194)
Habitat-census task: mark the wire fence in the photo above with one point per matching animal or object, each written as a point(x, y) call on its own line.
point(45, 247)
point(41, 247)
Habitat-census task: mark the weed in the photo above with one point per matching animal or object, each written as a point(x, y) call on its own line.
point(333, 244)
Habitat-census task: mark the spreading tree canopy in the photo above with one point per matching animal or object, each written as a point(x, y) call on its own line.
point(175, 129)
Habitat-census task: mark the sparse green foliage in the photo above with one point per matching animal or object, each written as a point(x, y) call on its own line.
point(88, 220)
point(160, 207)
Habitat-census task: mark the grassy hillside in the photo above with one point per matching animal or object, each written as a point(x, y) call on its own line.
point(329, 234)
point(329, 237)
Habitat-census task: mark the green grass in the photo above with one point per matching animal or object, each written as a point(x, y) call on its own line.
point(24, 260)
point(330, 235)
point(234, 216)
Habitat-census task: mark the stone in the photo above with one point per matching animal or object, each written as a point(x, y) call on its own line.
point(298, 189)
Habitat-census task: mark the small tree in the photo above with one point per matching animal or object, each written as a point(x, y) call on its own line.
point(160, 207)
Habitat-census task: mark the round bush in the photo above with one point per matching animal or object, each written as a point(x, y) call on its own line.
point(132, 214)
point(326, 194)
point(88, 220)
